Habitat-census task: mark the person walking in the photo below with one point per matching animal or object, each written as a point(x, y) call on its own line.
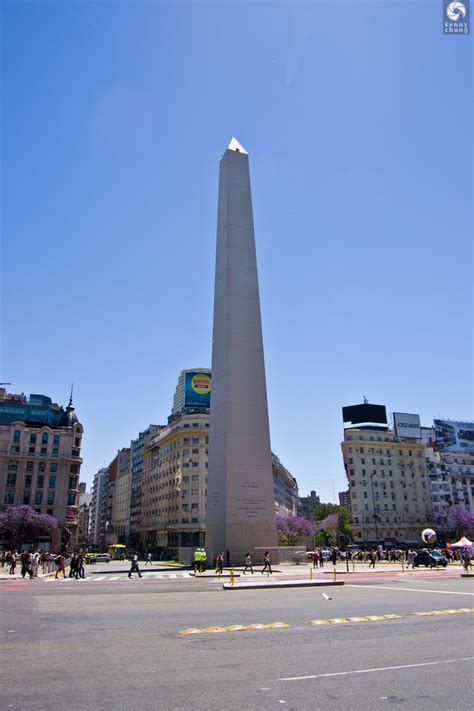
point(266, 561)
point(372, 560)
point(220, 563)
point(148, 559)
point(13, 557)
point(315, 558)
point(334, 556)
point(321, 558)
point(248, 563)
point(60, 566)
point(80, 572)
point(134, 567)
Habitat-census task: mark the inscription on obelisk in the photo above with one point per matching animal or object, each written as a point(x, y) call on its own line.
point(240, 502)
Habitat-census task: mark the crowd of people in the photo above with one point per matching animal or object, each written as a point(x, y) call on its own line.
point(30, 563)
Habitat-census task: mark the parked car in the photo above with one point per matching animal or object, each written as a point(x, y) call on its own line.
point(430, 558)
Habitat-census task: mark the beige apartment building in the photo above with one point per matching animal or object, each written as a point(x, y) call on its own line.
point(388, 487)
point(40, 461)
point(174, 484)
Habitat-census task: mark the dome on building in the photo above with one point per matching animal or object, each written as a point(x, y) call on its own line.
point(69, 417)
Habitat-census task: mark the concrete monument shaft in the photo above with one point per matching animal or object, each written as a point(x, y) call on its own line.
point(240, 500)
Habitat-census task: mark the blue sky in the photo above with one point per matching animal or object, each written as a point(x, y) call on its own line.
point(358, 120)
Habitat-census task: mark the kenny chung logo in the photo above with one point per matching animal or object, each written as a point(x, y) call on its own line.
point(456, 17)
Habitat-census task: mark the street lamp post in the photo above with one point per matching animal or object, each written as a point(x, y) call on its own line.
point(375, 511)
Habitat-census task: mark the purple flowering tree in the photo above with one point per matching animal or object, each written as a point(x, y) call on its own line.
point(291, 529)
point(21, 524)
point(461, 521)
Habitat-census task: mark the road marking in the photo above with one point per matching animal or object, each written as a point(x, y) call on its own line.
point(234, 628)
point(384, 587)
point(377, 669)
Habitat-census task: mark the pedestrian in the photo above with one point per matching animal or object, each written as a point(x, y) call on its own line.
point(321, 558)
point(266, 561)
point(466, 559)
point(203, 560)
point(148, 560)
point(372, 559)
point(24, 558)
point(80, 572)
point(315, 558)
point(60, 565)
point(248, 563)
point(220, 563)
point(334, 556)
point(196, 560)
point(134, 567)
point(13, 558)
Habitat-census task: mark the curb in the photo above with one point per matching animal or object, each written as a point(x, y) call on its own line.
point(294, 584)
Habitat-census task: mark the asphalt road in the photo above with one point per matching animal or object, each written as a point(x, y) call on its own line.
point(126, 644)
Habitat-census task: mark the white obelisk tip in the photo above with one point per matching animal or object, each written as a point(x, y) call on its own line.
point(234, 145)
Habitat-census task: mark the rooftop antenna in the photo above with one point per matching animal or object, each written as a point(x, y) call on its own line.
point(70, 399)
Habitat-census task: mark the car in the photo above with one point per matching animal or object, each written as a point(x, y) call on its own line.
point(430, 558)
point(98, 558)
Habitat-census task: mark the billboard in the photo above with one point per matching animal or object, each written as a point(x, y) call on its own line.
point(197, 389)
point(454, 436)
point(407, 425)
point(365, 416)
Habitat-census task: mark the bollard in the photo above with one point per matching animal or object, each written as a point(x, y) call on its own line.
point(232, 576)
point(310, 573)
point(403, 567)
point(334, 575)
point(353, 566)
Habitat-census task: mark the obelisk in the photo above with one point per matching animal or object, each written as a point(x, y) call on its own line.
point(240, 500)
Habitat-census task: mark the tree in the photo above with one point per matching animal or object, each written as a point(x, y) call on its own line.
point(21, 524)
point(333, 524)
point(461, 521)
point(291, 529)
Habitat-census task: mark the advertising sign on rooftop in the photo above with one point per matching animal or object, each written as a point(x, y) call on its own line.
point(197, 390)
point(454, 436)
point(407, 425)
point(365, 416)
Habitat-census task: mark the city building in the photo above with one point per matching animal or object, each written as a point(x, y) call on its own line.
point(285, 489)
point(120, 517)
point(455, 444)
point(307, 505)
point(137, 447)
point(83, 518)
point(345, 499)
point(40, 460)
point(98, 509)
point(388, 479)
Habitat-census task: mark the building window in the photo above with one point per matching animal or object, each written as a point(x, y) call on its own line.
point(73, 469)
point(75, 453)
point(43, 450)
point(186, 465)
point(77, 442)
point(13, 465)
point(16, 435)
point(26, 497)
point(50, 498)
point(42, 467)
point(9, 496)
point(49, 512)
point(31, 450)
point(38, 497)
point(186, 440)
point(52, 482)
point(55, 452)
point(194, 520)
point(53, 467)
point(11, 479)
point(40, 482)
point(28, 479)
point(44, 438)
point(195, 464)
point(55, 440)
point(195, 477)
point(71, 499)
point(33, 438)
point(195, 440)
point(72, 482)
point(29, 466)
